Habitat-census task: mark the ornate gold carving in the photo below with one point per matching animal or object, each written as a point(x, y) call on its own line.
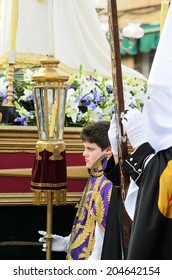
point(56, 148)
point(10, 86)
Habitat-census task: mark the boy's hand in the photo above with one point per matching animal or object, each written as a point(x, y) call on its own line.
point(59, 243)
point(113, 134)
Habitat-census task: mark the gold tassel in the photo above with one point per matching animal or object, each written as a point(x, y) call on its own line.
point(41, 197)
point(37, 198)
point(59, 197)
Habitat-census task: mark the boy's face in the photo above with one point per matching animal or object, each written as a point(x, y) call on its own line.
point(92, 153)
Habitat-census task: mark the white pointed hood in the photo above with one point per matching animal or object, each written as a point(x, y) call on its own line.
point(158, 102)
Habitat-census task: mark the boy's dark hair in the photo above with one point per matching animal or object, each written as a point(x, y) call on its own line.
point(97, 133)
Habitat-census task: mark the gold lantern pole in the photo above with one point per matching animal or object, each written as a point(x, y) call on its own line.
point(48, 236)
point(49, 169)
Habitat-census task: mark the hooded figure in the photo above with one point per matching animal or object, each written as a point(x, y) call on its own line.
point(150, 166)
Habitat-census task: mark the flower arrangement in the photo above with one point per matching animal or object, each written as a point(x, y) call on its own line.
point(134, 91)
point(89, 99)
point(22, 97)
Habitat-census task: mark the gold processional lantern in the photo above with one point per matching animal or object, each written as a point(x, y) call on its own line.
point(49, 175)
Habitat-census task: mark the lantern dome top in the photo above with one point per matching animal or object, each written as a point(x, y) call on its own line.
point(49, 72)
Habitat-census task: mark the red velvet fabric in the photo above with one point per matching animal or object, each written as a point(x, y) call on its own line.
point(13, 184)
point(49, 174)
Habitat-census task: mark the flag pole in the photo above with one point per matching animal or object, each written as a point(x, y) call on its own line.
point(118, 87)
point(119, 107)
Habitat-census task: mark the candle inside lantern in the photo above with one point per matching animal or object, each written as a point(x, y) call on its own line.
point(164, 10)
point(53, 119)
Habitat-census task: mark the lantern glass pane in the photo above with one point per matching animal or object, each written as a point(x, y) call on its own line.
point(40, 112)
point(62, 93)
point(50, 111)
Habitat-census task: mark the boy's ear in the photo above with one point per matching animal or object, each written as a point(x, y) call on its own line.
point(108, 150)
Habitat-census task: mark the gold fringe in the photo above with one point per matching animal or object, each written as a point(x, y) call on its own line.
point(48, 185)
point(41, 197)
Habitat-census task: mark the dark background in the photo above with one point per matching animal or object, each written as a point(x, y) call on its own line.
point(19, 227)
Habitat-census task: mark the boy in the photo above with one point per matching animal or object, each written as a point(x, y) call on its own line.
point(86, 239)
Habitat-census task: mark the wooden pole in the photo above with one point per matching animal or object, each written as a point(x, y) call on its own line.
point(119, 105)
point(118, 86)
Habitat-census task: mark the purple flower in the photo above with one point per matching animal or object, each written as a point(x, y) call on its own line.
point(29, 98)
point(22, 120)
point(100, 118)
point(109, 88)
point(86, 99)
point(92, 79)
point(97, 96)
point(93, 105)
point(132, 105)
point(4, 97)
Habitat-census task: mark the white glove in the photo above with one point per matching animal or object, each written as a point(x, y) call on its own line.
point(134, 126)
point(59, 243)
point(112, 134)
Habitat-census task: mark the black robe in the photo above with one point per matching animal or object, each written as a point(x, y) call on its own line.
point(151, 235)
point(113, 245)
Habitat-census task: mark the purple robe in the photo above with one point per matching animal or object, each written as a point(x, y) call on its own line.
point(93, 208)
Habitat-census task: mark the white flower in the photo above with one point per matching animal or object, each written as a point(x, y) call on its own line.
point(28, 75)
point(90, 116)
point(91, 99)
point(72, 111)
point(3, 85)
point(27, 94)
point(134, 92)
